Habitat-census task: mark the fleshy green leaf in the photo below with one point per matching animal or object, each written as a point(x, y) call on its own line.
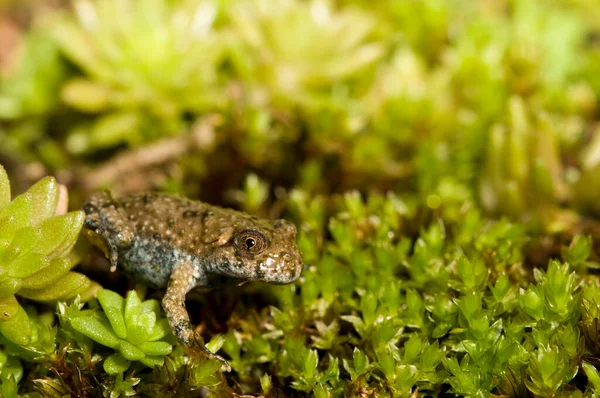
point(49, 275)
point(33, 206)
point(27, 265)
point(133, 307)
point(59, 234)
point(9, 307)
point(71, 284)
point(155, 348)
point(17, 329)
point(113, 305)
point(151, 361)
point(96, 329)
point(129, 351)
point(9, 286)
point(116, 364)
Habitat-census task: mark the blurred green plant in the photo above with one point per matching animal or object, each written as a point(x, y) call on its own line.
point(35, 258)
point(29, 88)
point(28, 98)
point(299, 51)
point(143, 68)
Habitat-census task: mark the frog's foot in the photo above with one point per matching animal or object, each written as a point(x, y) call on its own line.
point(197, 348)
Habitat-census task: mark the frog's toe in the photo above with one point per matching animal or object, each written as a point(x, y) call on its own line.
point(197, 348)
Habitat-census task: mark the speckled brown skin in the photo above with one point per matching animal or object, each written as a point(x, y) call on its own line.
point(174, 243)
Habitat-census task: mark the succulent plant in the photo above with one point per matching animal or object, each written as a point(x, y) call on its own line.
point(28, 95)
point(29, 88)
point(35, 254)
point(142, 67)
point(299, 51)
point(129, 326)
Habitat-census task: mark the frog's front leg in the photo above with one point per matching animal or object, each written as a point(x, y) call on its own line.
point(185, 277)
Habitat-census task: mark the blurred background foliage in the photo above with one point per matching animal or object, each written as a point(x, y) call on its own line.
point(491, 101)
point(469, 111)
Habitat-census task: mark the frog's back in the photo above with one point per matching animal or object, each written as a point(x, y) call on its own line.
point(164, 216)
point(188, 225)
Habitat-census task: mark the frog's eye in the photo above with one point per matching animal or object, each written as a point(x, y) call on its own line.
point(251, 241)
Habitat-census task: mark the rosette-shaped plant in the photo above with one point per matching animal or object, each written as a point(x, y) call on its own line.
point(131, 327)
point(35, 246)
point(144, 64)
point(300, 59)
point(297, 49)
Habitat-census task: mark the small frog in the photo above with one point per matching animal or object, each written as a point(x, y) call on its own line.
point(176, 243)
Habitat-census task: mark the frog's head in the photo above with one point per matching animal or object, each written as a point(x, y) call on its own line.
point(263, 252)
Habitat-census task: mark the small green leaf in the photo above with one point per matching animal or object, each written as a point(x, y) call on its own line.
point(63, 288)
point(27, 265)
point(412, 349)
point(25, 240)
point(215, 343)
point(86, 95)
point(113, 305)
point(310, 365)
point(9, 286)
point(579, 250)
point(152, 361)
point(133, 307)
point(156, 348)
point(265, 383)
point(115, 317)
point(9, 306)
point(129, 351)
point(151, 305)
point(360, 361)
point(45, 198)
point(204, 371)
point(18, 328)
point(116, 364)
point(59, 234)
point(592, 375)
point(12, 366)
point(33, 206)
point(161, 329)
point(96, 329)
point(532, 303)
point(49, 275)
point(140, 326)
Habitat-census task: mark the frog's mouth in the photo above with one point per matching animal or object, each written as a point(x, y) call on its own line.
point(278, 270)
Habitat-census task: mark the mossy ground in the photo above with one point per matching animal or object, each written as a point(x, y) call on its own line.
point(440, 159)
